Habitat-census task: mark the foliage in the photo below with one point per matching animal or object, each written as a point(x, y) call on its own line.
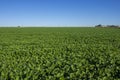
point(99, 25)
point(59, 54)
point(112, 26)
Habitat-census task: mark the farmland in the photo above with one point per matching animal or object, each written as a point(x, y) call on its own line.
point(59, 53)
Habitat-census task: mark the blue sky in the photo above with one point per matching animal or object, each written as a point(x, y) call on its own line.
point(59, 12)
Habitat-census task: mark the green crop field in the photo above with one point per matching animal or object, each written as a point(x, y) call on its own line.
point(59, 53)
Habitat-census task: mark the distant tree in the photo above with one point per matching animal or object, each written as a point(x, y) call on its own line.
point(112, 26)
point(99, 25)
point(18, 26)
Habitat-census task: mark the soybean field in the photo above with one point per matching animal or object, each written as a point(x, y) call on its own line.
point(66, 53)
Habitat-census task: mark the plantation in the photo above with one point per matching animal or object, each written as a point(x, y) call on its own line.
point(59, 54)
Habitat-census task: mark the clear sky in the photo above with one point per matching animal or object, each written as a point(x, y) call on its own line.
point(59, 12)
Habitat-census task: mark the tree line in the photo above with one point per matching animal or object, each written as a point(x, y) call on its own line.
point(107, 26)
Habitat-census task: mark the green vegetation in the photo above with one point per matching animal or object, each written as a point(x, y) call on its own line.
point(59, 54)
